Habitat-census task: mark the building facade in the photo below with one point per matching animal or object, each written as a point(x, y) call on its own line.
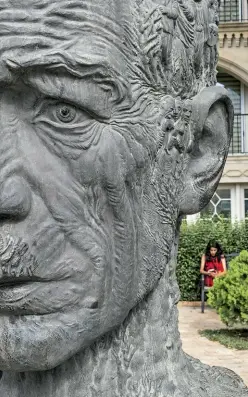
point(231, 198)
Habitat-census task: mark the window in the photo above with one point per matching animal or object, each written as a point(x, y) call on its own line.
point(229, 10)
point(246, 202)
point(233, 87)
point(220, 205)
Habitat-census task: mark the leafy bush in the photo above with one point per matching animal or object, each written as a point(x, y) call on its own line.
point(229, 295)
point(193, 240)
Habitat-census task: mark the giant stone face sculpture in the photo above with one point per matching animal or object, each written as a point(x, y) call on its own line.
point(112, 129)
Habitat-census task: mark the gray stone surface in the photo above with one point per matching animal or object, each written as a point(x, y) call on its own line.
point(112, 129)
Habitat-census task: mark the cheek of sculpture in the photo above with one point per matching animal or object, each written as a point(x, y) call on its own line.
point(81, 231)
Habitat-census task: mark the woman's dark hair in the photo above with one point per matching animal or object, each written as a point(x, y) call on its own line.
point(214, 244)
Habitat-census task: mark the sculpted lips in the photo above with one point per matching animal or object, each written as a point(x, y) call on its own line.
point(30, 288)
point(15, 260)
point(17, 267)
point(17, 279)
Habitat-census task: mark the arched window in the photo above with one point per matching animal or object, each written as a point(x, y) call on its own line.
point(233, 86)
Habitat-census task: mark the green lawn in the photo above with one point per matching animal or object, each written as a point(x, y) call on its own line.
point(231, 338)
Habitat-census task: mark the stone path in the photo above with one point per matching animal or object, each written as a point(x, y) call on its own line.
point(190, 321)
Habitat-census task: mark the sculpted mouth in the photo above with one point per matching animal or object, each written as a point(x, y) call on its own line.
point(24, 292)
point(16, 261)
point(20, 282)
point(17, 267)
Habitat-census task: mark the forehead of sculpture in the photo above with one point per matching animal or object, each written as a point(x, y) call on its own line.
point(37, 29)
point(109, 14)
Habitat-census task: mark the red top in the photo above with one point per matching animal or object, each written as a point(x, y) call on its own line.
point(214, 264)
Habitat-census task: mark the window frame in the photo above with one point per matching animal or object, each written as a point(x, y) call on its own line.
point(231, 199)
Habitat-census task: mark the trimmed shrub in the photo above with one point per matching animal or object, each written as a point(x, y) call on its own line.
point(229, 295)
point(193, 240)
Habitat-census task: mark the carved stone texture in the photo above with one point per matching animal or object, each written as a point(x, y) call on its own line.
point(112, 129)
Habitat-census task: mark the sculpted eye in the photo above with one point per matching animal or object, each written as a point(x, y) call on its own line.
point(65, 113)
point(62, 114)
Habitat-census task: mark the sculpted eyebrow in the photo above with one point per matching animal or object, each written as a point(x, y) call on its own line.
point(83, 92)
point(92, 82)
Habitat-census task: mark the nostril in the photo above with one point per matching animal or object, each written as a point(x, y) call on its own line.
point(15, 198)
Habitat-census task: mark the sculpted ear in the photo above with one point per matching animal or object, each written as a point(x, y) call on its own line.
point(212, 120)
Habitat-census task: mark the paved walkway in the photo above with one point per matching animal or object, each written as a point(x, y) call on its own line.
point(190, 321)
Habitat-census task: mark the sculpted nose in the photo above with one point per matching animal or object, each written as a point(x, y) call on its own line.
point(15, 198)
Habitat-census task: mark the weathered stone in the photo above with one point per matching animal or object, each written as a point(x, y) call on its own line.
point(112, 129)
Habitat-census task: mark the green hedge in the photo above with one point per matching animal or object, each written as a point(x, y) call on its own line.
point(229, 295)
point(193, 240)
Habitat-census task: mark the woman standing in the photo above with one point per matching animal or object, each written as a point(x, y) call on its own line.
point(213, 263)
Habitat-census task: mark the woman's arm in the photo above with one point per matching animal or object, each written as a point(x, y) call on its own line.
point(202, 271)
point(223, 260)
point(220, 274)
